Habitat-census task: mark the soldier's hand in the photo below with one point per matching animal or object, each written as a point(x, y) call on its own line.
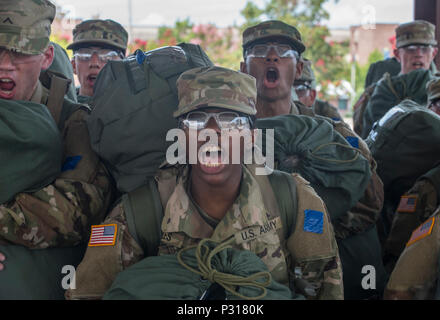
point(2, 259)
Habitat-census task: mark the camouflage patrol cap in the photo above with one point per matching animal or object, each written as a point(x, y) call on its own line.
point(433, 90)
point(307, 74)
point(216, 87)
point(25, 25)
point(99, 32)
point(270, 29)
point(416, 32)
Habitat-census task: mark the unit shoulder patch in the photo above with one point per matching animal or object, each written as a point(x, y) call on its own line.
point(422, 232)
point(314, 221)
point(103, 235)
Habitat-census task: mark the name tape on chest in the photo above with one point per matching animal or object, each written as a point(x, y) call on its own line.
point(103, 235)
point(422, 232)
point(407, 204)
point(255, 232)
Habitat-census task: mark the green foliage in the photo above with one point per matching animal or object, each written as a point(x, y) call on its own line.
point(362, 71)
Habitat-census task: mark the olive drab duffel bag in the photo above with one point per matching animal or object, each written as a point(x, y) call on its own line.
point(31, 148)
point(37, 274)
point(405, 144)
point(390, 91)
point(132, 110)
point(193, 275)
point(314, 149)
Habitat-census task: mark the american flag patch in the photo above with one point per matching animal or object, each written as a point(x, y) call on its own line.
point(407, 204)
point(103, 235)
point(421, 232)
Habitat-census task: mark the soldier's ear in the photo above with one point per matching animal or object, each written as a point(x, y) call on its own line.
point(434, 52)
point(73, 65)
point(243, 67)
point(397, 54)
point(48, 57)
point(313, 95)
point(299, 68)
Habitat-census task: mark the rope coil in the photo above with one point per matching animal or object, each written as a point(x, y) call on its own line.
point(228, 281)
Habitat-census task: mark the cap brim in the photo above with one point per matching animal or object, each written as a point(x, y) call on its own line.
point(299, 46)
point(82, 43)
point(416, 42)
point(249, 110)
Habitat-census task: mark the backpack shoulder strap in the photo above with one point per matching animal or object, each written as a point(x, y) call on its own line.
point(58, 87)
point(144, 211)
point(144, 214)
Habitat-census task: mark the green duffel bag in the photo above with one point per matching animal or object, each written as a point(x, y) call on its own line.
point(36, 274)
point(357, 252)
point(31, 148)
point(311, 147)
point(405, 144)
point(390, 91)
point(133, 104)
point(239, 274)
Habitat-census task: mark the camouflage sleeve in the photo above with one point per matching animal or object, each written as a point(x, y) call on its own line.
point(61, 213)
point(314, 250)
point(416, 273)
point(407, 217)
point(101, 264)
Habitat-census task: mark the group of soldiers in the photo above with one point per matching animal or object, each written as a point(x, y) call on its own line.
point(209, 200)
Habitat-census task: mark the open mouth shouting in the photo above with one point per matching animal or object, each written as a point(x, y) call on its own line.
point(91, 79)
point(211, 159)
point(418, 65)
point(271, 78)
point(7, 86)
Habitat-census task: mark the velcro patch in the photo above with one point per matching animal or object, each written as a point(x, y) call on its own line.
point(353, 141)
point(407, 204)
point(103, 235)
point(314, 221)
point(422, 232)
point(254, 232)
point(71, 163)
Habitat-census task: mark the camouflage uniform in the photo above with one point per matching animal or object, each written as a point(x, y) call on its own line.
point(60, 214)
point(416, 274)
point(359, 224)
point(98, 33)
point(185, 223)
point(418, 32)
point(426, 192)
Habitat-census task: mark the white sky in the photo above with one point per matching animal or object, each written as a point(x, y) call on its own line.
point(227, 12)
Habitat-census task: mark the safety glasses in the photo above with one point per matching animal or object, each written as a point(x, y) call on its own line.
point(198, 120)
point(262, 50)
point(18, 58)
point(302, 90)
point(414, 48)
point(103, 55)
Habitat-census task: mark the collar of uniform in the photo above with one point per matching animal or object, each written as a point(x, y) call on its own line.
point(248, 210)
point(40, 94)
point(293, 109)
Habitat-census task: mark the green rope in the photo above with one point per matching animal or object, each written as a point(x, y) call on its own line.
point(335, 160)
point(227, 281)
point(19, 220)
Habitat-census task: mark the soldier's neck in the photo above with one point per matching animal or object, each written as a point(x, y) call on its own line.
point(216, 200)
point(270, 108)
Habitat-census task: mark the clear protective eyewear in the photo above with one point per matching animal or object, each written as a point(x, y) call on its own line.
point(302, 90)
point(198, 120)
point(282, 50)
point(18, 58)
point(435, 106)
point(103, 55)
point(414, 48)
